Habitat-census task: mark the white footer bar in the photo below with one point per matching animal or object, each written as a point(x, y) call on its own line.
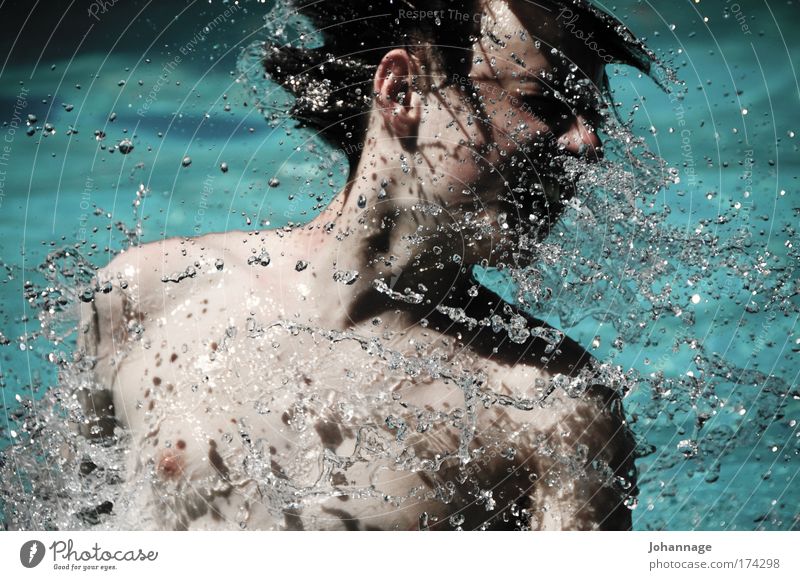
point(400, 555)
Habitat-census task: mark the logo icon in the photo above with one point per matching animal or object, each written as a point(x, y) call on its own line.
point(31, 553)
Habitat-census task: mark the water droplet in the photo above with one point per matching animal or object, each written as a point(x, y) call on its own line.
point(456, 520)
point(125, 146)
point(261, 259)
point(346, 277)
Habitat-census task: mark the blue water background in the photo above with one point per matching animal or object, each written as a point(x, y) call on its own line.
point(53, 184)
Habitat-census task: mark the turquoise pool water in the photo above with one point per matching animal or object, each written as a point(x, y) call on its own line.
point(165, 79)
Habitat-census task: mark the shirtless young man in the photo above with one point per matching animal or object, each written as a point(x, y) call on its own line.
point(351, 373)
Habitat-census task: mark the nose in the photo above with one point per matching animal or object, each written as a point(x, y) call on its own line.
point(581, 140)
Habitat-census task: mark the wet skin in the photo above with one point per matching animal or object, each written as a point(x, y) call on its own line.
point(260, 361)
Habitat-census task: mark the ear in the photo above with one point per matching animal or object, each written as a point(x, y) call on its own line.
point(396, 99)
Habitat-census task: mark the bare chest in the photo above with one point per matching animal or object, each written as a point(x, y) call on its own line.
point(234, 422)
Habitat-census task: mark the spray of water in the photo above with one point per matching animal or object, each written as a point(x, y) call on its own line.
point(606, 259)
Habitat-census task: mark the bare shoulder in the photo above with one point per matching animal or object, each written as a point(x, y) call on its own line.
point(146, 267)
point(139, 280)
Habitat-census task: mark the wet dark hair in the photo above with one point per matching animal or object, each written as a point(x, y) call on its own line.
point(332, 84)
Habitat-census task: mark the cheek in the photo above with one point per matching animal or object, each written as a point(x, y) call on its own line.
point(455, 147)
point(464, 151)
point(512, 128)
point(479, 160)
point(508, 126)
point(463, 168)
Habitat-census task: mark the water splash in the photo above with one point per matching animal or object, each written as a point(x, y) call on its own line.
point(56, 478)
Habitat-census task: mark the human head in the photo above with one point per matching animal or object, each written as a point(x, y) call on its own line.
point(459, 99)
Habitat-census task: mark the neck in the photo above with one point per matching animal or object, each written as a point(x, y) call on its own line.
point(402, 255)
point(414, 279)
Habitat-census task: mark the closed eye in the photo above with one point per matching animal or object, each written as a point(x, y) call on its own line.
point(549, 110)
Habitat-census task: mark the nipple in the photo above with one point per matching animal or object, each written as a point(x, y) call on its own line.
point(171, 462)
